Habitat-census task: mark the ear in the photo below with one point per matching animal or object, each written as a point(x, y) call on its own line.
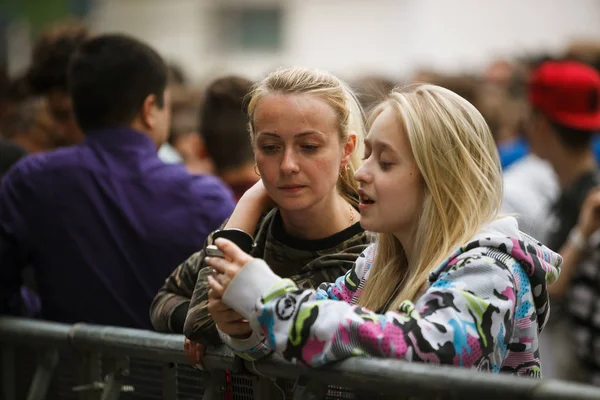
point(349, 148)
point(147, 112)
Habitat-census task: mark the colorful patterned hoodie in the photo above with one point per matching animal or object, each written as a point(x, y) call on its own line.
point(484, 308)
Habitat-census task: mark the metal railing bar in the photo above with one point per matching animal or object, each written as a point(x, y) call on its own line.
point(381, 375)
point(389, 376)
point(169, 373)
point(30, 332)
point(214, 385)
point(9, 390)
point(135, 343)
point(43, 374)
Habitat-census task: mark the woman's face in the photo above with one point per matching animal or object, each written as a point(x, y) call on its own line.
point(298, 149)
point(391, 185)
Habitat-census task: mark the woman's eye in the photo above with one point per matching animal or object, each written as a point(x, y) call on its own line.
point(385, 165)
point(311, 148)
point(269, 148)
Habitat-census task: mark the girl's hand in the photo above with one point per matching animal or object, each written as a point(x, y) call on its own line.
point(228, 267)
point(228, 321)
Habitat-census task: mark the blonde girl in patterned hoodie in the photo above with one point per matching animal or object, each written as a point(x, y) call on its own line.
point(448, 281)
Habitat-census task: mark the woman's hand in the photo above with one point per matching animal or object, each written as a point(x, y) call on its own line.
point(589, 216)
point(194, 351)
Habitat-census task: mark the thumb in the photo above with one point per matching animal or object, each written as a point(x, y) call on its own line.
point(232, 251)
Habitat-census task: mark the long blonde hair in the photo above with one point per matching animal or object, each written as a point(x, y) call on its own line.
point(334, 92)
point(457, 158)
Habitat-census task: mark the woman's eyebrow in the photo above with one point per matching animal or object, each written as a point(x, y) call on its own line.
point(380, 145)
point(297, 135)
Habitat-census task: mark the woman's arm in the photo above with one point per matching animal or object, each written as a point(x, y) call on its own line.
point(249, 209)
point(170, 305)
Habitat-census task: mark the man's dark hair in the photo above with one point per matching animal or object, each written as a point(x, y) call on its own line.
point(110, 76)
point(51, 56)
point(571, 138)
point(224, 122)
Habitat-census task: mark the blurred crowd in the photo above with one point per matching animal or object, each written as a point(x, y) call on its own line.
point(549, 163)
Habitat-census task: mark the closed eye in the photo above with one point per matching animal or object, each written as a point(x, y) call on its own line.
point(269, 148)
point(309, 148)
point(385, 165)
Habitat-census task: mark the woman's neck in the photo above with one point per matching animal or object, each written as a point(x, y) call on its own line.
point(326, 218)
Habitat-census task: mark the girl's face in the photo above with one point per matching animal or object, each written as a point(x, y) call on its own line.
point(391, 186)
point(298, 149)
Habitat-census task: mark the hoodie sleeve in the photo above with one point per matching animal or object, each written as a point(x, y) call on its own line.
point(254, 348)
point(463, 319)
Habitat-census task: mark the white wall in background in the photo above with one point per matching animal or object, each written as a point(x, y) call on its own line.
point(350, 37)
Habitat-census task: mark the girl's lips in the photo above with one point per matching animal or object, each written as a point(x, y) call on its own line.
point(292, 189)
point(364, 206)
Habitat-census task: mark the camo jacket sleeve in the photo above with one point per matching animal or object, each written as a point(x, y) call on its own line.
point(170, 305)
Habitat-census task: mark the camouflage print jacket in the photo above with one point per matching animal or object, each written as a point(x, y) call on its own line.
point(307, 262)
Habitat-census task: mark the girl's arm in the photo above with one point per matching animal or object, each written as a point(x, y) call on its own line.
point(465, 317)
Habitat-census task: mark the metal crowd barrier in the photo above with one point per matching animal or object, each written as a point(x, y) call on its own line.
point(84, 361)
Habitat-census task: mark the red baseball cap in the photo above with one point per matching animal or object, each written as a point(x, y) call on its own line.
point(567, 92)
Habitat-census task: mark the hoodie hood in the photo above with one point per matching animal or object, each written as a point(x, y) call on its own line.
point(541, 264)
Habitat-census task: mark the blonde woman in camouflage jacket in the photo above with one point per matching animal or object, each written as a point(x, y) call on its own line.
point(307, 132)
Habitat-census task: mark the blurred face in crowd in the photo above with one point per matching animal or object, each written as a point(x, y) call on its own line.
point(61, 109)
point(30, 124)
point(388, 177)
point(46, 130)
point(163, 118)
point(536, 132)
point(155, 119)
point(298, 149)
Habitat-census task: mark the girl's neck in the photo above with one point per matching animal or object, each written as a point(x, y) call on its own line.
point(408, 245)
point(328, 217)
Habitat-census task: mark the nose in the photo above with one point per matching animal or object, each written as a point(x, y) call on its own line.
point(362, 174)
point(289, 164)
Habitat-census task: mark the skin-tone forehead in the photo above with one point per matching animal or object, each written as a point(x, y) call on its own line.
point(385, 132)
point(294, 114)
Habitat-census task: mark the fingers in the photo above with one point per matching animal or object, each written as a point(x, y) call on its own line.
point(236, 329)
point(232, 251)
point(194, 351)
point(216, 306)
point(225, 316)
point(219, 264)
point(200, 350)
point(592, 202)
point(189, 349)
point(222, 279)
point(218, 291)
point(594, 196)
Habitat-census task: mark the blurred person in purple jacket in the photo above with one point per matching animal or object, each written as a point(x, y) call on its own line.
point(103, 222)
